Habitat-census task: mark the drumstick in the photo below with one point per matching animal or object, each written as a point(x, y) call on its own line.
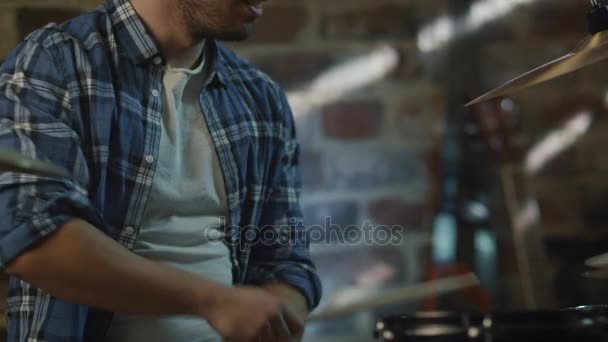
point(418, 291)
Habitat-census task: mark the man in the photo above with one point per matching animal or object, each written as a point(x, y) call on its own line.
point(182, 158)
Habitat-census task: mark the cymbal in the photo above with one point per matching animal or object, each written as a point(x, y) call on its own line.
point(13, 161)
point(593, 49)
point(600, 261)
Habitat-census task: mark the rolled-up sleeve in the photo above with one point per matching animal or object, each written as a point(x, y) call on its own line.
point(285, 257)
point(36, 121)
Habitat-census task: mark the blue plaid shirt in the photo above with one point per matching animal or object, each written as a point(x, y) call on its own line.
point(86, 96)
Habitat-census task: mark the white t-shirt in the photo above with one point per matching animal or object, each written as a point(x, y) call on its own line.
point(182, 220)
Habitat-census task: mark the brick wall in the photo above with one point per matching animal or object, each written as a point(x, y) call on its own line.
point(370, 153)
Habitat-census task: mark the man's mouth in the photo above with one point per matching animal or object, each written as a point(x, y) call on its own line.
point(255, 7)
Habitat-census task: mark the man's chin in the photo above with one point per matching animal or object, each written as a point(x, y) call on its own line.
point(237, 36)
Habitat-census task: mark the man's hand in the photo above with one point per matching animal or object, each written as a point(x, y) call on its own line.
point(248, 314)
point(290, 325)
point(289, 297)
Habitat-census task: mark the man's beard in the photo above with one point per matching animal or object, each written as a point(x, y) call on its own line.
point(234, 36)
point(193, 19)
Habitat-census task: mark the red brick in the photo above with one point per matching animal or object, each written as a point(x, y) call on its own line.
point(311, 168)
point(410, 66)
point(397, 212)
point(429, 103)
point(345, 268)
point(594, 206)
point(341, 214)
point(499, 30)
point(506, 255)
point(591, 158)
point(565, 165)
point(559, 206)
point(293, 69)
point(419, 118)
point(384, 21)
point(30, 20)
point(353, 120)
point(569, 104)
point(361, 168)
point(280, 24)
point(561, 18)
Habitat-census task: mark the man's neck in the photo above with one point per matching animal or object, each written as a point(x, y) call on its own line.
point(188, 59)
point(162, 20)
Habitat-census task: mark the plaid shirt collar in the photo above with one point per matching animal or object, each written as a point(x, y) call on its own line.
point(139, 44)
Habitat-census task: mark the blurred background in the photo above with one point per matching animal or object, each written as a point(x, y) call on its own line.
point(514, 190)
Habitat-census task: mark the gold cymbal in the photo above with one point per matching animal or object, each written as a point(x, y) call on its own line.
point(591, 50)
point(13, 161)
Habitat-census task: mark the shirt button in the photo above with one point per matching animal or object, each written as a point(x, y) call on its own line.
point(157, 60)
point(129, 230)
point(149, 159)
point(155, 93)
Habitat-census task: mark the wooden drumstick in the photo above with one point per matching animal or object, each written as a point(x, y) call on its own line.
point(418, 291)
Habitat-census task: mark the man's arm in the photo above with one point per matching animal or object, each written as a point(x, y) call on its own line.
point(80, 264)
point(284, 267)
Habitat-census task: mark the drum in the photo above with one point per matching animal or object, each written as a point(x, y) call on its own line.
point(582, 324)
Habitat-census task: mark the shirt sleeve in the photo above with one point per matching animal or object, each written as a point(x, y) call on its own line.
point(281, 253)
point(35, 120)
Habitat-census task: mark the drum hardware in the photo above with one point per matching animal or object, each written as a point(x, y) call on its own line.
point(498, 124)
point(593, 49)
point(580, 324)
